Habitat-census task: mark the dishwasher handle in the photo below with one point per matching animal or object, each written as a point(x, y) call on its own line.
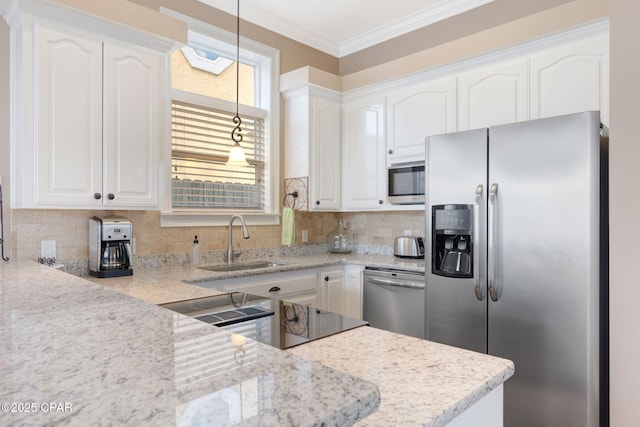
point(412, 285)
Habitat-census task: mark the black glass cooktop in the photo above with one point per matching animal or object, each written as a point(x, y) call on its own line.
point(279, 323)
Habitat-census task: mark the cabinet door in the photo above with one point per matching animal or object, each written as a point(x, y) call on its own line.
point(493, 95)
point(331, 285)
point(416, 112)
point(571, 79)
point(363, 183)
point(68, 109)
point(132, 97)
point(353, 293)
point(324, 179)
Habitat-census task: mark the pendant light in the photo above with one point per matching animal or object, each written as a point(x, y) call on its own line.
point(237, 159)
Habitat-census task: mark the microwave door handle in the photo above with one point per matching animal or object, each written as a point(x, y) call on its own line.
point(476, 243)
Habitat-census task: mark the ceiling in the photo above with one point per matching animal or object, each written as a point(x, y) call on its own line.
point(342, 27)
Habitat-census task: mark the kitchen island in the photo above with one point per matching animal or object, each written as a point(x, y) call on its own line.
point(124, 360)
point(421, 382)
point(77, 353)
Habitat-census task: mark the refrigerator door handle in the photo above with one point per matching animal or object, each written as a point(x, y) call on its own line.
point(491, 243)
point(476, 242)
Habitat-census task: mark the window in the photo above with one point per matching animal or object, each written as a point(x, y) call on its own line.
point(200, 144)
point(204, 189)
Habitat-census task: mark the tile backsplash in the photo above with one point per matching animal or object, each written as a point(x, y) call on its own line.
point(70, 230)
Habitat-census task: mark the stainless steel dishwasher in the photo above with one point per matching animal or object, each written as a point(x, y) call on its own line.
point(394, 300)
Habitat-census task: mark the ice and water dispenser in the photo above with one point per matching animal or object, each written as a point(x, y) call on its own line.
point(452, 251)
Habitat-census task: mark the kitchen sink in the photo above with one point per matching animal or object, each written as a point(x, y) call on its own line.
point(236, 266)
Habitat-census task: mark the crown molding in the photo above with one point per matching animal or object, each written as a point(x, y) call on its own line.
point(420, 18)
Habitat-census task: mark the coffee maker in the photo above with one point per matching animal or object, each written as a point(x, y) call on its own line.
point(110, 246)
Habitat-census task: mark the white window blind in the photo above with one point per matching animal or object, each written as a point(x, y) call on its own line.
point(200, 144)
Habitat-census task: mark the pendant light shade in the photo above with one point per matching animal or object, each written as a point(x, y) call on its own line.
point(236, 157)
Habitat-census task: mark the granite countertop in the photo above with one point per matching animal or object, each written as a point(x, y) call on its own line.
point(421, 382)
point(74, 352)
point(164, 284)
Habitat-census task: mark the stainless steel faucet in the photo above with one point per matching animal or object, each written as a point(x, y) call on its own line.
point(245, 234)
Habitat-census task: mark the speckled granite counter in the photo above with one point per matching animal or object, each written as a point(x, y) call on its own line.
point(167, 284)
point(75, 353)
point(422, 383)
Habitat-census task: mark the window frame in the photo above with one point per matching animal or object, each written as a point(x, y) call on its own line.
point(266, 62)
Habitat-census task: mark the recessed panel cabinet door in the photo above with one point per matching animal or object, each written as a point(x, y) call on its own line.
point(324, 177)
point(415, 112)
point(493, 95)
point(364, 171)
point(68, 110)
point(131, 140)
point(571, 79)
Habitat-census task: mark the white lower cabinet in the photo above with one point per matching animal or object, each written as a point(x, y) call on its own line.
point(337, 289)
point(341, 290)
point(332, 292)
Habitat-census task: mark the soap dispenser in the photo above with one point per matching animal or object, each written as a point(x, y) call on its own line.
point(196, 255)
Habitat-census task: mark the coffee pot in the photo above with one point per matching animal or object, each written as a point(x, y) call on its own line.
point(110, 246)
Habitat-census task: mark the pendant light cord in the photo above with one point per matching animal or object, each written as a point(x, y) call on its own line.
point(236, 134)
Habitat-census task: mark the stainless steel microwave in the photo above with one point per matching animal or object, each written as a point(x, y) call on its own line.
point(406, 183)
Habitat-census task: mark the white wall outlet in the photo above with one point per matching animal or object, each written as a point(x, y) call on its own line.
point(48, 249)
point(305, 236)
point(407, 232)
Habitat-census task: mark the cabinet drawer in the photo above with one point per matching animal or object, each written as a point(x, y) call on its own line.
point(300, 289)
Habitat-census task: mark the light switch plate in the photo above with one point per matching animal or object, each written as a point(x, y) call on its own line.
point(305, 236)
point(48, 249)
point(407, 232)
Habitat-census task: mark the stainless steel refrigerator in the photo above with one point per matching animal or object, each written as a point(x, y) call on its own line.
point(516, 260)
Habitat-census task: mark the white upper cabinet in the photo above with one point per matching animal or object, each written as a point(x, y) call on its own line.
point(571, 78)
point(415, 112)
point(132, 96)
point(363, 144)
point(389, 124)
point(67, 110)
point(313, 144)
point(493, 95)
point(86, 128)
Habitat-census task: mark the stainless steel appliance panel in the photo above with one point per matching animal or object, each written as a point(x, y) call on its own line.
point(544, 264)
point(545, 226)
point(456, 170)
point(394, 301)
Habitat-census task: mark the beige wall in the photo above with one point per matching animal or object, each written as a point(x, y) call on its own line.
point(464, 37)
point(293, 55)
point(624, 213)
